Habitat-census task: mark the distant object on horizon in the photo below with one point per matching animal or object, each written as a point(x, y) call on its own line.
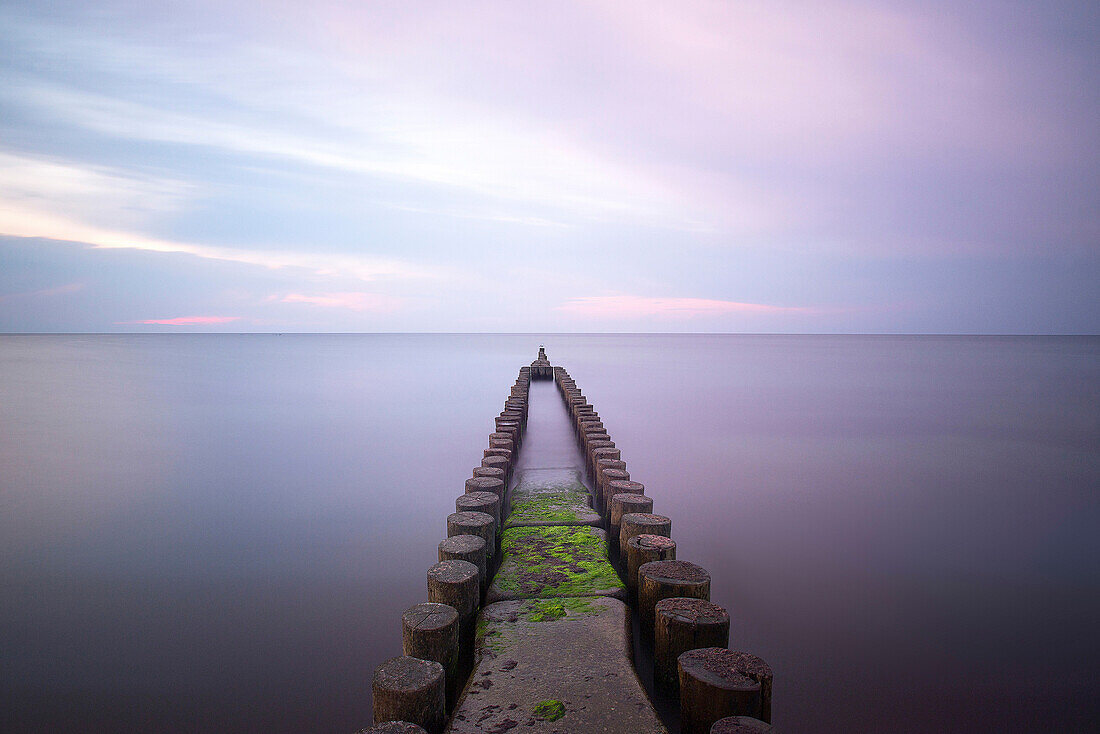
point(540, 368)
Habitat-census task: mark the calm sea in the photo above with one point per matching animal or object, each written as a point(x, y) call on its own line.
point(207, 533)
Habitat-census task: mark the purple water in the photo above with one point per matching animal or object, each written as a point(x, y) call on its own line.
point(216, 532)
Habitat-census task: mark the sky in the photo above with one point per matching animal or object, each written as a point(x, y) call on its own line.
point(506, 166)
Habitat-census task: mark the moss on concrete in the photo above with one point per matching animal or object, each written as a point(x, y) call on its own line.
point(563, 507)
point(553, 609)
point(549, 710)
point(555, 561)
point(491, 637)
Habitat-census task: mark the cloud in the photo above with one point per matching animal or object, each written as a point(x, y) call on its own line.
point(354, 301)
point(18, 222)
point(792, 153)
point(65, 201)
point(628, 307)
point(482, 152)
point(60, 290)
point(186, 321)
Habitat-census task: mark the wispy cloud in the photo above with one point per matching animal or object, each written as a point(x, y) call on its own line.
point(60, 290)
point(67, 202)
point(629, 307)
point(446, 147)
point(354, 301)
point(186, 321)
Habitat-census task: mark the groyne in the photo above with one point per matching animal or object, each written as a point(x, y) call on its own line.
point(552, 551)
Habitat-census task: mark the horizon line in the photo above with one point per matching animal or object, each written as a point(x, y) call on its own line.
point(547, 333)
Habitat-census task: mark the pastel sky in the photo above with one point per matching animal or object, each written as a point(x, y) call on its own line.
point(600, 165)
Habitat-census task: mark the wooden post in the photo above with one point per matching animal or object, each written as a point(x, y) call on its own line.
point(410, 689)
point(716, 683)
point(456, 584)
point(664, 579)
point(506, 453)
point(468, 548)
point(599, 482)
point(489, 471)
point(603, 452)
point(643, 549)
point(641, 523)
point(680, 625)
point(481, 524)
point(486, 484)
point(393, 727)
point(610, 475)
point(487, 502)
point(625, 503)
point(429, 631)
point(500, 463)
point(741, 725)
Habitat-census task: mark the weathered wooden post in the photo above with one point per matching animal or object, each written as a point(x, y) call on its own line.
point(680, 625)
point(625, 503)
point(486, 484)
point(489, 471)
point(410, 689)
point(716, 683)
point(506, 453)
point(498, 462)
point(610, 475)
point(588, 424)
point(599, 481)
point(501, 443)
point(641, 523)
point(602, 452)
point(429, 631)
point(393, 727)
point(596, 441)
point(507, 425)
point(468, 548)
point(643, 549)
point(456, 584)
point(481, 524)
point(664, 579)
point(487, 502)
point(741, 725)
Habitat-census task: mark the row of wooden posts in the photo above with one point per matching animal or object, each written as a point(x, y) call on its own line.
point(720, 690)
point(414, 693)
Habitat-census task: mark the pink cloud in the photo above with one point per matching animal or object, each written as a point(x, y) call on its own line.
point(354, 300)
point(638, 306)
point(185, 320)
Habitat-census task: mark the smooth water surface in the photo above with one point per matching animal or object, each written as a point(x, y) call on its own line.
point(219, 532)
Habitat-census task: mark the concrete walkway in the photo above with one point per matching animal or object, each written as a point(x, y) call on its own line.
point(553, 650)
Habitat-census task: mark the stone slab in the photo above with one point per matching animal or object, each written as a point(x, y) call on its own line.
point(554, 666)
point(564, 479)
point(554, 560)
point(551, 508)
point(551, 497)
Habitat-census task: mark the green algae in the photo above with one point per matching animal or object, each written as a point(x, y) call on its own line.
point(549, 710)
point(490, 637)
point(555, 561)
point(553, 609)
point(547, 507)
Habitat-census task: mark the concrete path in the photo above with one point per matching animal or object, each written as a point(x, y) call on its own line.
point(551, 497)
point(553, 650)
